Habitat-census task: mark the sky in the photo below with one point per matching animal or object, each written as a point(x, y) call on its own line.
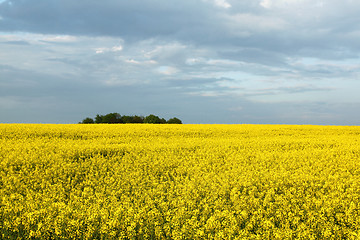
point(203, 61)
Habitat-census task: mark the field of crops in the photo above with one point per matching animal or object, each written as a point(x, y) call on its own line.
point(179, 182)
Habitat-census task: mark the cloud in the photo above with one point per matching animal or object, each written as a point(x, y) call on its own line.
point(132, 61)
point(101, 50)
point(290, 90)
point(106, 49)
point(116, 48)
point(167, 70)
point(16, 42)
point(9, 103)
point(222, 4)
point(130, 20)
point(266, 3)
point(245, 22)
point(267, 56)
point(60, 38)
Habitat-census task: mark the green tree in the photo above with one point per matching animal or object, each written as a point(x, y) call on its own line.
point(87, 120)
point(132, 119)
point(174, 121)
point(117, 118)
point(112, 118)
point(99, 118)
point(152, 119)
point(138, 119)
point(127, 119)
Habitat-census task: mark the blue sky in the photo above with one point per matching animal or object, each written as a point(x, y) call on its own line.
point(203, 61)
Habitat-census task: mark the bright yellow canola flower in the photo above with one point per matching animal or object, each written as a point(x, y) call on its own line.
point(179, 182)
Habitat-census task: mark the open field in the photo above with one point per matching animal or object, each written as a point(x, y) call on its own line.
point(179, 182)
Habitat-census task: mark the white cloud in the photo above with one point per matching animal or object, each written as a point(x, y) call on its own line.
point(266, 3)
point(106, 49)
point(247, 22)
point(22, 36)
point(117, 48)
point(100, 50)
point(194, 61)
point(132, 61)
point(151, 62)
point(165, 51)
point(293, 6)
point(137, 62)
point(286, 2)
point(60, 38)
point(222, 62)
point(219, 3)
point(222, 3)
point(167, 70)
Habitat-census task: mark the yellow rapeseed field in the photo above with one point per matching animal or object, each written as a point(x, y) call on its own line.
point(179, 182)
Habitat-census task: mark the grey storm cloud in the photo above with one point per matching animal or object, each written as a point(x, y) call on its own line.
point(277, 26)
point(253, 61)
point(128, 19)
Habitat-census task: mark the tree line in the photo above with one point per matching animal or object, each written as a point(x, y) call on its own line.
point(117, 118)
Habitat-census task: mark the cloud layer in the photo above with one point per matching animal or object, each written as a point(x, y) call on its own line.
point(205, 61)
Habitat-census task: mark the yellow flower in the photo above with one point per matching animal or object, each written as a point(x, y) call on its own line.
point(179, 181)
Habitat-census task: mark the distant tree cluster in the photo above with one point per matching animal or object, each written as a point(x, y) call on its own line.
point(117, 118)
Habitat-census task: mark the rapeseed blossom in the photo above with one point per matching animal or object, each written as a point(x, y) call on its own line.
point(179, 182)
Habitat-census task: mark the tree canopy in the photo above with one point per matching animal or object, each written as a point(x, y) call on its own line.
point(117, 118)
point(174, 121)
